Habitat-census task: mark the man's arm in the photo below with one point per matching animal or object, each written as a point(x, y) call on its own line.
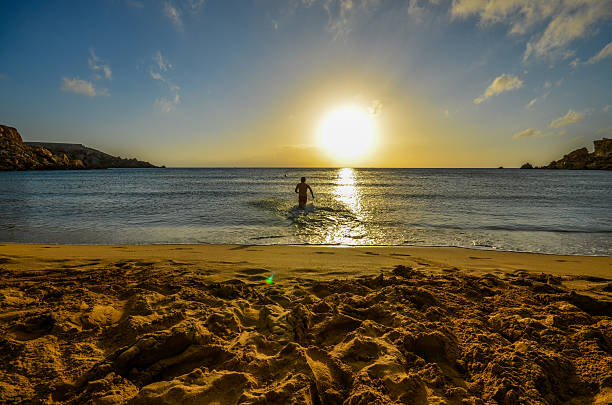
point(310, 191)
point(296, 188)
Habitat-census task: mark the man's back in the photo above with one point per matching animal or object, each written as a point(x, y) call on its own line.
point(302, 188)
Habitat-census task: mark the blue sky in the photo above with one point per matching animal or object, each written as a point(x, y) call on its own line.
point(465, 83)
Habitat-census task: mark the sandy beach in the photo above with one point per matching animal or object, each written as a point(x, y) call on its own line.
point(164, 324)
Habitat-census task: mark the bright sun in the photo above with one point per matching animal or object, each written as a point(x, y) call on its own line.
point(347, 132)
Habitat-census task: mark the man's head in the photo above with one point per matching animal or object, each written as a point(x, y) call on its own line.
point(303, 179)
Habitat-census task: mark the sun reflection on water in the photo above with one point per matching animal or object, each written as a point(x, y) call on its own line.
point(349, 228)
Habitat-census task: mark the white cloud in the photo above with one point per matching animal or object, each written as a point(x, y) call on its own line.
point(173, 14)
point(532, 133)
point(570, 118)
point(162, 63)
point(157, 71)
point(78, 86)
point(195, 5)
point(500, 84)
point(606, 52)
point(96, 64)
point(563, 21)
point(167, 105)
point(531, 103)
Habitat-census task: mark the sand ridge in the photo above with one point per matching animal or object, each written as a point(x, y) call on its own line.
point(148, 331)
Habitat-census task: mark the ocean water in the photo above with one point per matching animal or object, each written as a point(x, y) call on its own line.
point(564, 212)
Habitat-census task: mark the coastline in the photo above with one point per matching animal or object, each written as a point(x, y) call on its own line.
point(281, 259)
point(148, 324)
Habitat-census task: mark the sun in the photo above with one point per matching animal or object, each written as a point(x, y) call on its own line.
point(347, 132)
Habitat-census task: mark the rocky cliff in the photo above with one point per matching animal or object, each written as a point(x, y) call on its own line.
point(600, 159)
point(91, 158)
point(18, 155)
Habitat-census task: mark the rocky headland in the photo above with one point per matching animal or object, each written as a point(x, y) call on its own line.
point(18, 155)
point(581, 159)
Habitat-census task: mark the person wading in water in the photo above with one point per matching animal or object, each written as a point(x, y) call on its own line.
point(302, 189)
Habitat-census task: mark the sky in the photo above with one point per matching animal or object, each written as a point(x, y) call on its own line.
point(201, 83)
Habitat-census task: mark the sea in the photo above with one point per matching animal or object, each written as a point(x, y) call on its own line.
point(546, 211)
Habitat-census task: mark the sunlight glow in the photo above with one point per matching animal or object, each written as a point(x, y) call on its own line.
point(347, 132)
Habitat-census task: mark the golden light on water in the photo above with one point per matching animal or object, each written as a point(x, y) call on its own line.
point(346, 190)
point(349, 228)
point(347, 132)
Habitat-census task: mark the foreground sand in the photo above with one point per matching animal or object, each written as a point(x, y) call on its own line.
point(198, 324)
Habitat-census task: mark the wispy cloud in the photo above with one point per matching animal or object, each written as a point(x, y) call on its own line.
point(157, 71)
point(531, 103)
point(134, 3)
point(98, 65)
point(533, 133)
point(570, 118)
point(174, 10)
point(375, 107)
point(606, 52)
point(3, 77)
point(162, 63)
point(173, 14)
point(500, 84)
point(167, 105)
point(552, 24)
point(101, 69)
point(606, 108)
point(78, 86)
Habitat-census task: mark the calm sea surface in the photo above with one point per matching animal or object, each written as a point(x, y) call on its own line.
point(567, 212)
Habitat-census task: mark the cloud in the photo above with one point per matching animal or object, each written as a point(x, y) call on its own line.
point(162, 63)
point(3, 77)
point(157, 71)
point(78, 86)
point(552, 24)
point(500, 84)
point(173, 14)
point(134, 3)
point(606, 108)
point(96, 64)
point(375, 107)
point(570, 118)
point(606, 52)
point(167, 105)
point(531, 103)
point(532, 133)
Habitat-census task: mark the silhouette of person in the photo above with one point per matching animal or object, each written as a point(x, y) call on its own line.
point(302, 189)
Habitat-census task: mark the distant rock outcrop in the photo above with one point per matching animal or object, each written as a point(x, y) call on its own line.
point(91, 158)
point(600, 159)
point(18, 155)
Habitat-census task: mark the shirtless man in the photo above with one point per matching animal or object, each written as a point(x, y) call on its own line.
point(302, 189)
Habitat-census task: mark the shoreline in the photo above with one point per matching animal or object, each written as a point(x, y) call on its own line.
point(355, 259)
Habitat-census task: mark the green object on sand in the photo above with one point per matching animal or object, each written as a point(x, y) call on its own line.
point(269, 279)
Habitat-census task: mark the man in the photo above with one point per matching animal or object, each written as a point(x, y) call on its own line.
point(302, 189)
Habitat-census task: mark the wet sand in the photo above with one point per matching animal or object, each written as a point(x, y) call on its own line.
point(339, 325)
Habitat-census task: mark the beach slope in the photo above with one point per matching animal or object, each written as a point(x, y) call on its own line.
point(162, 324)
